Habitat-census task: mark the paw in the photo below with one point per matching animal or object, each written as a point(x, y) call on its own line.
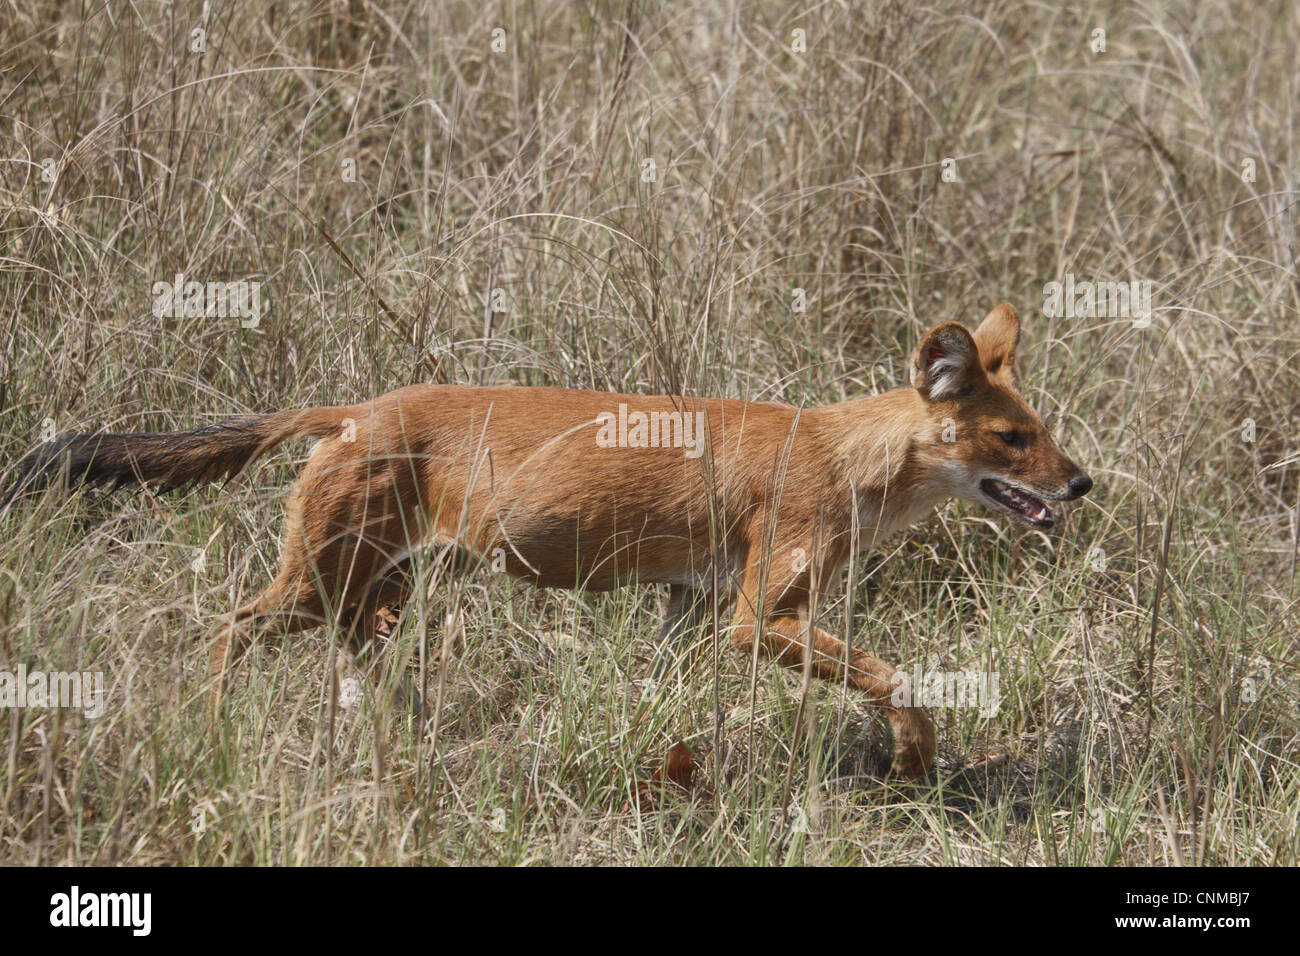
point(913, 743)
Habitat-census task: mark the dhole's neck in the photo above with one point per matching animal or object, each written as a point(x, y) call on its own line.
point(870, 439)
point(878, 450)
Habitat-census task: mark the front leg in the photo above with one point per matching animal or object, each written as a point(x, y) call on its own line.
point(686, 611)
point(784, 637)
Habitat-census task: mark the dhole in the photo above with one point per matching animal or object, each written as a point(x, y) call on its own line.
point(773, 497)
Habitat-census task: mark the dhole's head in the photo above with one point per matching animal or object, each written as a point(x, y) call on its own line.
point(983, 442)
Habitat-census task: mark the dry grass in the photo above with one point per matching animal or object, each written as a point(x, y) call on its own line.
point(1128, 733)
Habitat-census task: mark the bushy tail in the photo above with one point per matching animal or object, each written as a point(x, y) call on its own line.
point(166, 460)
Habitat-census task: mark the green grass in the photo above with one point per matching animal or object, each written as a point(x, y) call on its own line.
point(1118, 741)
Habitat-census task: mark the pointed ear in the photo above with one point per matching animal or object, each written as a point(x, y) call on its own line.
point(996, 338)
point(946, 362)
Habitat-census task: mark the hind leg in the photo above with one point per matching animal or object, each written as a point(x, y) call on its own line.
point(370, 624)
point(285, 605)
point(338, 554)
point(365, 604)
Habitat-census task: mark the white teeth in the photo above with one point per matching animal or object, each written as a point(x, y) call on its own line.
point(1023, 503)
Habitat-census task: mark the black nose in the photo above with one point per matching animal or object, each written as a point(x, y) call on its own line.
point(1080, 485)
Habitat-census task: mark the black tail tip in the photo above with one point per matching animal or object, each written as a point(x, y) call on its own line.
point(42, 466)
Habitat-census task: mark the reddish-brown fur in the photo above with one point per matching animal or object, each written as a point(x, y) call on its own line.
point(779, 496)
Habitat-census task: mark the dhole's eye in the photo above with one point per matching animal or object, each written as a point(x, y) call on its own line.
point(1012, 438)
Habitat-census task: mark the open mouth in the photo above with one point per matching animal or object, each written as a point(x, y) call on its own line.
point(1021, 503)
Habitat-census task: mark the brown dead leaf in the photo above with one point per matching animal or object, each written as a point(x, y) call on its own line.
point(385, 622)
point(678, 769)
